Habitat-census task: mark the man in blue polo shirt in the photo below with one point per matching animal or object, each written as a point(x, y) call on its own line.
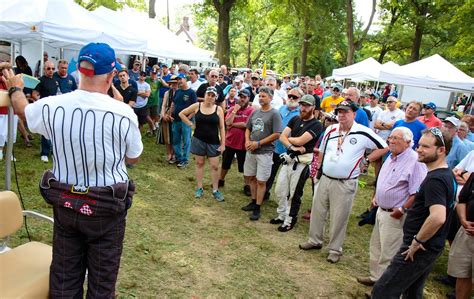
point(459, 149)
point(353, 95)
point(416, 127)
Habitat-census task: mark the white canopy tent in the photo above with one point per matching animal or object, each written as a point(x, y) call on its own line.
point(432, 72)
point(161, 42)
point(61, 24)
point(366, 70)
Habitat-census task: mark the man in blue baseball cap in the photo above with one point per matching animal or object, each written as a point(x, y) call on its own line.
point(429, 118)
point(93, 136)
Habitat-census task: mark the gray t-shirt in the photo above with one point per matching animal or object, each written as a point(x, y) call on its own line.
point(263, 124)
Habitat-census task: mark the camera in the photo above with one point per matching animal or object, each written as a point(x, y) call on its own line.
point(287, 158)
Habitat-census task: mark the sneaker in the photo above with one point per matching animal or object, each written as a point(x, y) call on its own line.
point(221, 183)
point(218, 195)
point(255, 215)
point(44, 159)
point(250, 207)
point(183, 164)
point(365, 281)
point(286, 227)
point(13, 159)
point(172, 161)
point(310, 246)
point(130, 166)
point(199, 192)
point(333, 258)
point(247, 190)
point(276, 220)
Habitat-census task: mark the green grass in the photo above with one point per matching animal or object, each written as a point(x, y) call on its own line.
point(176, 246)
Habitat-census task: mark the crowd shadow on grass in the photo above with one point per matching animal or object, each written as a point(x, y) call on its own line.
point(179, 247)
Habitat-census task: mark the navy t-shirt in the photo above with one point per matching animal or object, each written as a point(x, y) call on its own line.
point(66, 84)
point(47, 87)
point(182, 100)
point(438, 188)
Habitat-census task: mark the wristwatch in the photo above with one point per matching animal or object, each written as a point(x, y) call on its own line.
point(13, 89)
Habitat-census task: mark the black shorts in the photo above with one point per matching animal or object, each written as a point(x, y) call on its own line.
point(228, 157)
point(141, 113)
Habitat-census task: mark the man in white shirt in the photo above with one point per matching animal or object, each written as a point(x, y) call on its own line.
point(374, 109)
point(388, 117)
point(93, 136)
point(194, 82)
point(144, 91)
point(276, 102)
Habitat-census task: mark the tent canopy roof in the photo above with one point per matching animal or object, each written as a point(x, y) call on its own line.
point(366, 70)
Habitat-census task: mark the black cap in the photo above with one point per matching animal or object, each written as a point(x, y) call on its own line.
point(142, 73)
point(244, 92)
point(346, 105)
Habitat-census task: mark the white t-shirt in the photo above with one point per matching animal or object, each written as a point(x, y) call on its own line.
point(467, 163)
point(91, 134)
point(342, 161)
point(391, 117)
point(141, 101)
point(194, 86)
point(375, 112)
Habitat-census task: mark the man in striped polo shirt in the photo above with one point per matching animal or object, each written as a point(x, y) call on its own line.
point(401, 175)
point(93, 136)
point(341, 152)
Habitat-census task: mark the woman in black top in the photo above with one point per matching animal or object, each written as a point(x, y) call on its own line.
point(208, 139)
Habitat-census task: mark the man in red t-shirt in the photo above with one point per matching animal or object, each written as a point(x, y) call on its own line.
point(235, 121)
point(428, 117)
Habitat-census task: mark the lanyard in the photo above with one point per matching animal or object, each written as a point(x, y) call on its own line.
point(340, 141)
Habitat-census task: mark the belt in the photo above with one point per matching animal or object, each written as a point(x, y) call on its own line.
point(387, 210)
point(344, 179)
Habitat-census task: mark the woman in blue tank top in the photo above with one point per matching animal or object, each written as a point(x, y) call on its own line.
point(208, 138)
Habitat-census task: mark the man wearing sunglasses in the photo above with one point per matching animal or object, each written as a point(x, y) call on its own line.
point(47, 87)
point(329, 103)
point(212, 82)
point(426, 224)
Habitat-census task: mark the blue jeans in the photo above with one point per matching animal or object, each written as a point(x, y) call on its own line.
point(405, 277)
point(181, 140)
point(45, 146)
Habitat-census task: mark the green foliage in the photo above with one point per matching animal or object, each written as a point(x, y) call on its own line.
point(113, 4)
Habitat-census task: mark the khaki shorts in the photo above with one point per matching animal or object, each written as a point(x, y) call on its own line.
point(259, 165)
point(461, 255)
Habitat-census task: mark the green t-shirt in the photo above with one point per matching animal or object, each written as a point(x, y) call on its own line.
point(155, 86)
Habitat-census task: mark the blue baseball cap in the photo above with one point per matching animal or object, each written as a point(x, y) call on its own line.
point(100, 55)
point(182, 76)
point(430, 105)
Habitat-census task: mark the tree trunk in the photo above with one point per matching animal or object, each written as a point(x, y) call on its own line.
point(350, 33)
point(267, 45)
point(151, 9)
point(382, 54)
point(223, 42)
point(304, 52)
point(421, 11)
point(249, 50)
point(295, 65)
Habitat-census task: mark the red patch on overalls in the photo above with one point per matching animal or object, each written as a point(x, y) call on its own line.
point(86, 210)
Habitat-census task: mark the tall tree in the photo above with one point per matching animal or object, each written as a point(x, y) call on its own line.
point(151, 9)
point(223, 8)
point(421, 13)
point(352, 43)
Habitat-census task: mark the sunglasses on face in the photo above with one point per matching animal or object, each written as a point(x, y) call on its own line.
point(213, 76)
point(293, 97)
point(254, 78)
point(388, 102)
point(50, 68)
point(437, 133)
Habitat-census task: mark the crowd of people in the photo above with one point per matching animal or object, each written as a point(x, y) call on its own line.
point(280, 132)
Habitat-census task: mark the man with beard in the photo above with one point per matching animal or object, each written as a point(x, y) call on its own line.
point(128, 92)
point(299, 137)
point(235, 121)
point(426, 224)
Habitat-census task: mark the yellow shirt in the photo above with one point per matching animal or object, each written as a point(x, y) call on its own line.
point(329, 103)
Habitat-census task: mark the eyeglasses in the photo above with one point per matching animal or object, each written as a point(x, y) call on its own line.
point(388, 102)
point(50, 68)
point(254, 78)
point(293, 97)
point(213, 76)
point(437, 132)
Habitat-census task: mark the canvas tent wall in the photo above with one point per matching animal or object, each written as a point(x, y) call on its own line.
point(366, 70)
point(160, 41)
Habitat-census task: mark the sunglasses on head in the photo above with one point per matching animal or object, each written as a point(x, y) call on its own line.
point(293, 97)
point(437, 133)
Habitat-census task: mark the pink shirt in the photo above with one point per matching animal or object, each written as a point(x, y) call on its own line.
point(235, 137)
point(431, 122)
point(399, 177)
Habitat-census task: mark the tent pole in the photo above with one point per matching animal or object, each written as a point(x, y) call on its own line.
point(143, 62)
point(41, 58)
point(61, 53)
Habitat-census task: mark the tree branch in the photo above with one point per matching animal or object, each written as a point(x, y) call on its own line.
point(262, 49)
